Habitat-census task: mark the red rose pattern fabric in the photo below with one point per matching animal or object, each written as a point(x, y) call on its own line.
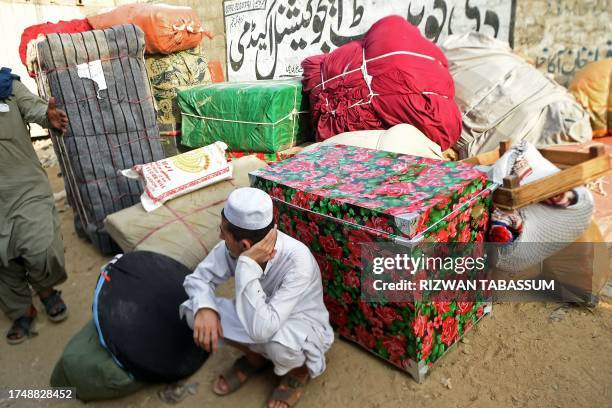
point(313, 205)
point(407, 195)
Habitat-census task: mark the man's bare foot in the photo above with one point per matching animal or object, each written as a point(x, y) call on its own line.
point(251, 363)
point(290, 389)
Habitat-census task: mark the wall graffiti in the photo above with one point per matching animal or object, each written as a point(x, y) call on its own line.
point(576, 8)
point(564, 62)
point(267, 39)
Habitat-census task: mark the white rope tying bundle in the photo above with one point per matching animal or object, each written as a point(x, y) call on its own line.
point(363, 68)
point(291, 115)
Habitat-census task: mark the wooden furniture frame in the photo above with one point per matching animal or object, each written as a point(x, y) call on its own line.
point(577, 168)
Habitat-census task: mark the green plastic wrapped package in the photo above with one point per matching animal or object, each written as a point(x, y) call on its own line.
point(91, 370)
point(261, 116)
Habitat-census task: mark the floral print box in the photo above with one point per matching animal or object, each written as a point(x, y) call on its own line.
point(335, 198)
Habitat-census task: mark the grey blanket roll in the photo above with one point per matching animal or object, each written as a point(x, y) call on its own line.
point(98, 77)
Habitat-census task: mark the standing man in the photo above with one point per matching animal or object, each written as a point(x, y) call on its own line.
point(277, 316)
point(31, 247)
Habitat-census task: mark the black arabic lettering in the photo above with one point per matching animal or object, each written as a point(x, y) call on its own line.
point(298, 45)
point(473, 14)
point(450, 21)
point(564, 63)
point(279, 26)
point(340, 13)
point(237, 64)
point(333, 10)
point(318, 24)
point(415, 19)
point(339, 40)
point(562, 66)
point(357, 14)
point(273, 41)
point(580, 62)
point(552, 65)
point(492, 19)
point(433, 27)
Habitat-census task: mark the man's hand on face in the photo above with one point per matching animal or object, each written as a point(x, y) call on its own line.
point(207, 330)
point(264, 250)
point(57, 117)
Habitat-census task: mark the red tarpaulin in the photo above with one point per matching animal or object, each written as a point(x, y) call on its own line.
point(393, 75)
point(32, 32)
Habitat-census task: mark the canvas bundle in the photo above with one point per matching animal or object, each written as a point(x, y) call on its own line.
point(186, 228)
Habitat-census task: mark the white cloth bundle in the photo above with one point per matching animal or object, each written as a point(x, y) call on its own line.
point(178, 175)
point(402, 138)
point(501, 96)
point(546, 229)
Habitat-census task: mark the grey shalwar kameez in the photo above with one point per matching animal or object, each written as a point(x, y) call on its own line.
point(31, 247)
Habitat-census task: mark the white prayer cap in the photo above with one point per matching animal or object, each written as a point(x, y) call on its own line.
point(249, 208)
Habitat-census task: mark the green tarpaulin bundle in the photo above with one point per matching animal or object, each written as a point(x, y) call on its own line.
point(89, 368)
point(262, 116)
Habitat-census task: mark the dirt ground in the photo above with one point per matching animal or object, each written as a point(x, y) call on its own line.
point(517, 357)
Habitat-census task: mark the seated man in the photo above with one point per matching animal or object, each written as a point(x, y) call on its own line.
point(278, 315)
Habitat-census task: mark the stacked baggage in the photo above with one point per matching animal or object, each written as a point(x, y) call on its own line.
point(167, 74)
point(501, 96)
point(262, 116)
point(98, 77)
point(393, 75)
point(343, 202)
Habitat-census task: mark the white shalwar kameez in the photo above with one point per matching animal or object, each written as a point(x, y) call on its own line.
point(278, 313)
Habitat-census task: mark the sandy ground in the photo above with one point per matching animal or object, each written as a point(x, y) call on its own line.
point(517, 357)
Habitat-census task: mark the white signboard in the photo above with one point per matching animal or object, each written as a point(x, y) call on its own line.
point(267, 39)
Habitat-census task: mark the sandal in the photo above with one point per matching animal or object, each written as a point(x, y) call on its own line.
point(233, 380)
point(54, 306)
point(291, 391)
point(22, 328)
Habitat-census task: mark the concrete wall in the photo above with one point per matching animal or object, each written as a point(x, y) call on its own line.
point(561, 36)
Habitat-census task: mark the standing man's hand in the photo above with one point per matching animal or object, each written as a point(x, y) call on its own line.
point(57, 117)
point(207, 330)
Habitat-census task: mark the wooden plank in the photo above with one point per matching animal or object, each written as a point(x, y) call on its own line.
point(560, 157)
point(511, 181)
point(566, 158)
point(486, 159)
point(514, 198)
point(597, 150)
point(504, 146)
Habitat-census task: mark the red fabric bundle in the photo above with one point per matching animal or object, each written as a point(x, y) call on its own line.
point(65, 27)
point(409, 82)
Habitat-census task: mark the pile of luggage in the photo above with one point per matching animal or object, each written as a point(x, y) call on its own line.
point(386, 113)
point(122, 108)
